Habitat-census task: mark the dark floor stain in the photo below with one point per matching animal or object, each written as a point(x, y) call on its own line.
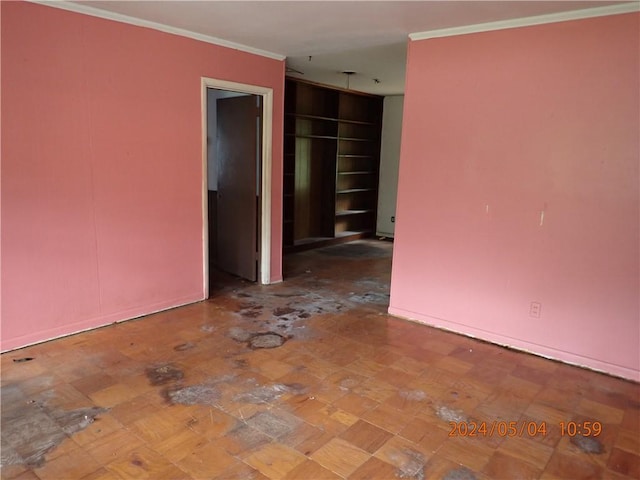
point(184, 346)
point(588, 444)
point(623, 401)
point(355, 250)
point(32, 430)
point(251, 312)
point(21, 360)
point(137, 462)
point(239, 334)
point(296, 388)
point(461, 473)
point(240, 363)
point(163, 374)
point(370, 297)
point(266, 340)
point(192, 395)
point(280, 311)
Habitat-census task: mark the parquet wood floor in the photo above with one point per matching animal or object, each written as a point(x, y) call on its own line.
point(351, 393)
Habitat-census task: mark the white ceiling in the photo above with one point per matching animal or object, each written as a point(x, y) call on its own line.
point(368, 37)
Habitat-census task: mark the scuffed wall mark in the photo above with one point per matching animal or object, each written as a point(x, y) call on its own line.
point(588, 444)
point(163, 374)
point(32, 429)
point(461, 473)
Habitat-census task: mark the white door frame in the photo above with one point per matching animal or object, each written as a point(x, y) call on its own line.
point(264, 274)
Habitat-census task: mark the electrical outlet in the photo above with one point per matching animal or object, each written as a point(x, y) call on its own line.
point(393, 219)
point(534, 309)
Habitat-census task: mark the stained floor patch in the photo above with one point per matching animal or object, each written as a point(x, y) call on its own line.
point(184, 346)
point(33, 429)
point(163, 374)
point(588, 444)
point(410, 464)
point(266, 340)
point(370, 297)
point(239, 334)
point(249, 438)
point(269, 393)
point(262, 394)
point(272, 425)
point(413, 395)
point(193, 395)
point(251, 310)
point(280, 311)
point(459, 474)
point(450, 415)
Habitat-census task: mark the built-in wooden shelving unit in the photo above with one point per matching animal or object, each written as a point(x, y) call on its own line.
point(331, 163)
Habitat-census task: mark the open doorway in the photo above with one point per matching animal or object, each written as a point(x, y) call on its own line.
point(237, 186)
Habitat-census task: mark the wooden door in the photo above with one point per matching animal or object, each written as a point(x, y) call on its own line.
point(239, 123)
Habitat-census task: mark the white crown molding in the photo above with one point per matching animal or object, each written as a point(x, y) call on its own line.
point(118, 17)
point(529, 21)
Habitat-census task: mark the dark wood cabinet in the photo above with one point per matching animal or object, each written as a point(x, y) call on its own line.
point(331, 163)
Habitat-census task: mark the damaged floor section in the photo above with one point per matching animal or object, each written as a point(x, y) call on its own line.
point(307, 379)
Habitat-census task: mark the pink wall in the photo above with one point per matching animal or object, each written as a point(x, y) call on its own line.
point(499, 127)
point(102, 168)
